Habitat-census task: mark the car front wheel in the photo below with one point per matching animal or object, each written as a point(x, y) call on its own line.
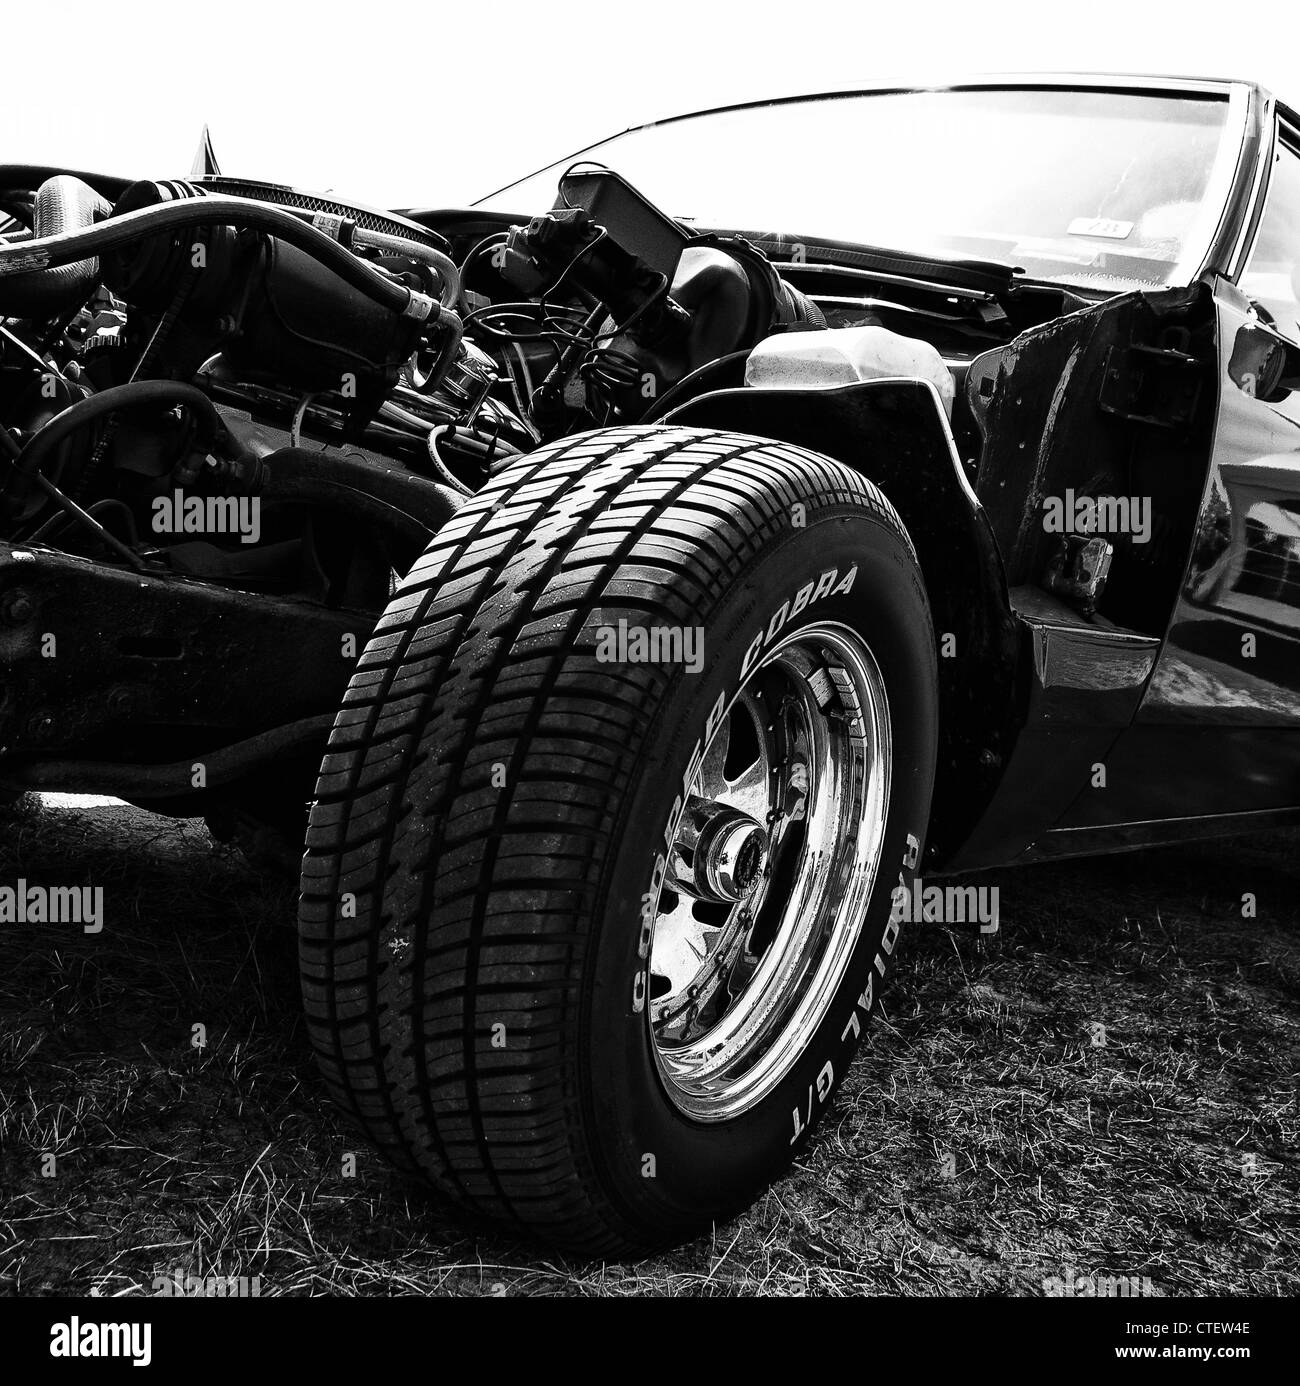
point(597, 897)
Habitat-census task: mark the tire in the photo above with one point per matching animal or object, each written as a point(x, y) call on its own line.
point(495, 950)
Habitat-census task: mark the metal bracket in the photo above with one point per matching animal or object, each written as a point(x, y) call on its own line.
point(1078, 570)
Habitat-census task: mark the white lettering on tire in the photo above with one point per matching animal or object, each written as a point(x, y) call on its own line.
point(853, 1026)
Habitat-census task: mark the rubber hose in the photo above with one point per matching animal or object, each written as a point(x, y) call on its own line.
point(139, 392)
point(399, 245)
point(120, 231)
point(391, 496)
point(63, 205)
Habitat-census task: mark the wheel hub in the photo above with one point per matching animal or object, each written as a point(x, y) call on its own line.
point(721, 853)
point(772, 864)
point(735, 858)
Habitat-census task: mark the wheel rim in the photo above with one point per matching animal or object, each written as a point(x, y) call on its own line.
point(770, 873)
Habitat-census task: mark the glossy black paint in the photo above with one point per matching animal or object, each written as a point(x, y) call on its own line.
point(1066, 735)
point(1220, 722)
point(894, 432)
point(1184, 692)
point(1214, 746)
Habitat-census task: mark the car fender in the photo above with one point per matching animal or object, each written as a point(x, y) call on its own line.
point(895, 433)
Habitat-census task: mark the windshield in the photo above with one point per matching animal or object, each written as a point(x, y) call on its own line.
point(1104, 189)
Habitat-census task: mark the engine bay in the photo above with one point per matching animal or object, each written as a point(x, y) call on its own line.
point(170, 348)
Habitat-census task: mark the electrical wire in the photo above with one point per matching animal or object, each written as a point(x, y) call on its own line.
point(496, 237)
point(299, 414)
point(601, 235)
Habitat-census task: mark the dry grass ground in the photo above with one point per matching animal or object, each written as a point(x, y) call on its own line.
point(983, 1140)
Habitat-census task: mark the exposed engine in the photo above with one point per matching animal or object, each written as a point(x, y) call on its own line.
point(180, 346)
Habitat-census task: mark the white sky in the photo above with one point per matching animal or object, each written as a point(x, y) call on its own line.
point(399, 103)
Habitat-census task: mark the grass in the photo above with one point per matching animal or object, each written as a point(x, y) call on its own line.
point(982, 1142)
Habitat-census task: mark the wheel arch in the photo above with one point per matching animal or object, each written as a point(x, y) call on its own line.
point(895, 433)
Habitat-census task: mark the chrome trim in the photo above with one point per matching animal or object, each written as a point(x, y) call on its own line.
point(738, 991)
point(1248, 231)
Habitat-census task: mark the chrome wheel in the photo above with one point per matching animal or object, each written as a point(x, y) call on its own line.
point(770, 873)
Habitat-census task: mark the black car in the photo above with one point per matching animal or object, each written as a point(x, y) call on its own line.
point(638, 587)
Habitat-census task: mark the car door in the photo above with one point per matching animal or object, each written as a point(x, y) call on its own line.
point(1218, 731)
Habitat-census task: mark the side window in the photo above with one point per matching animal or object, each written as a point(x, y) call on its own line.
point(1272, 278)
